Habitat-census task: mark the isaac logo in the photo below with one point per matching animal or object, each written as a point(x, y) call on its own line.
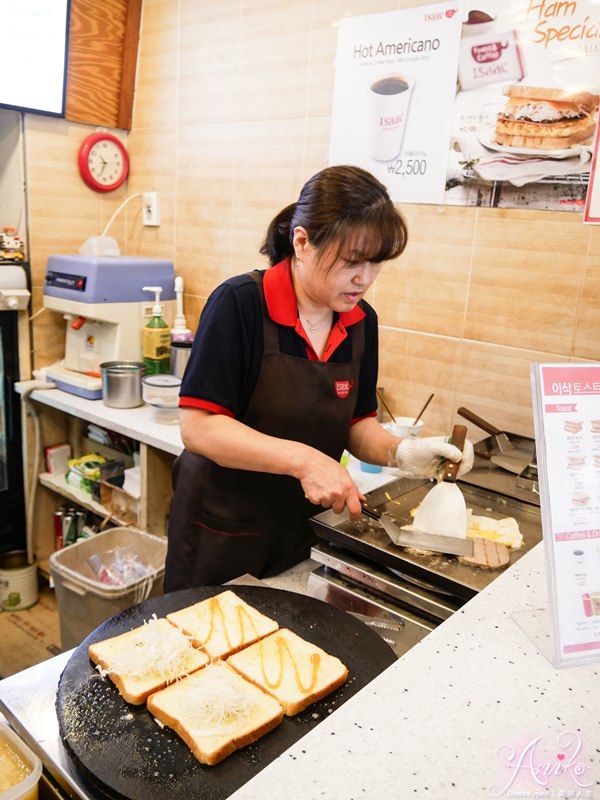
point(532, 762)
point(342, 388)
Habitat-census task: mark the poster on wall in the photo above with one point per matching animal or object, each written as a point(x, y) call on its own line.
point(566, 405)
point(395, 82)
point(476, 102)
point(526, 104)
point(591, 212)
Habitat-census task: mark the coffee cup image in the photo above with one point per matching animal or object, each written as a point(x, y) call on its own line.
point(389, 103)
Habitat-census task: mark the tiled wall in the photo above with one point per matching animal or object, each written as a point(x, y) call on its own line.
point(231, 116)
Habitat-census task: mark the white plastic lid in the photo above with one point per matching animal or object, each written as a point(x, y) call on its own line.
point(162, 380)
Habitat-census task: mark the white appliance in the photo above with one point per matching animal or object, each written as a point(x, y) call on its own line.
point(103, 301)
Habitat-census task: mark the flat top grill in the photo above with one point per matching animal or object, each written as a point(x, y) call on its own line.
point(367, 538)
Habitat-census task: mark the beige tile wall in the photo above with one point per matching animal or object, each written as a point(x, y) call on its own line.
point(231, 116)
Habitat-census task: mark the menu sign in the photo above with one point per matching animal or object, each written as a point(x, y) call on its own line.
point(566, 399)
point(393, 97)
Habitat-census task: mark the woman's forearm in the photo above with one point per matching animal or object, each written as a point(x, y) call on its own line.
point(230, 443)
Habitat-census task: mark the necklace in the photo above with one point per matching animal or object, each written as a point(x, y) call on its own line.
point(313, 327)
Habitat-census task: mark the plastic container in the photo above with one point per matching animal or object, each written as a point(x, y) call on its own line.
point(161, 389)
point(164, 413)
point(85, 599)
point(403, 427)
point(14, 754)
point(366, 467)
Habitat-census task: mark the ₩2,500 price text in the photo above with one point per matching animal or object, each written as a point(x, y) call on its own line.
point(408, 166)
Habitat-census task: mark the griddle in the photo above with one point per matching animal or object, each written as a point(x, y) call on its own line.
point(121, 752)
point(445, 572)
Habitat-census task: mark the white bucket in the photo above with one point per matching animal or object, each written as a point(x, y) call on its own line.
point(18, 581)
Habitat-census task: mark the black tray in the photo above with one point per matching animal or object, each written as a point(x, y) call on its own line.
point(121, 752)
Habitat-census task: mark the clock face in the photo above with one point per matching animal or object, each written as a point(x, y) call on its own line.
point(103, 162)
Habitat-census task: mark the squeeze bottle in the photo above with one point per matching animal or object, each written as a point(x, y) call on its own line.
point(156, 338)
point(180, 331)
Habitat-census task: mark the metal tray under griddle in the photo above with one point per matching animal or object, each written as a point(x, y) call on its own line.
point(120, 751)
point(398, 498)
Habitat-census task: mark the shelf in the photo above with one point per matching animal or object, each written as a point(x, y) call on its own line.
point(58, 484)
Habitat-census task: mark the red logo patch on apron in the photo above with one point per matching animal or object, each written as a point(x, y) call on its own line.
point(342, 388)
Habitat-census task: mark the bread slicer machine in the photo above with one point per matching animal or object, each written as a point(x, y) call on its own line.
point(103, 301)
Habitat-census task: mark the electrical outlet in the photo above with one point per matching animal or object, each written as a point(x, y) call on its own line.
point(150, 209)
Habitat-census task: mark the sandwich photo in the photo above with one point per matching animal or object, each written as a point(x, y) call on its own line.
point(573, 426)
point(576, 462)
point(145, 659)
point(595, 426)
point(546, 118)
point(580, 499)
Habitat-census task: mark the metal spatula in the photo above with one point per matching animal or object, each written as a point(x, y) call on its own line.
point(504, 444)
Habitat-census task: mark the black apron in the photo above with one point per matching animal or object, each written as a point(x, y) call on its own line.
point(227, 522)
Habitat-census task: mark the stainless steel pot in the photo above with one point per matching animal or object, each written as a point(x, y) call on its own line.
point(122, 383)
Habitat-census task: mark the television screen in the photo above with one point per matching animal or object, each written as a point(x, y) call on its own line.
point(34, 55)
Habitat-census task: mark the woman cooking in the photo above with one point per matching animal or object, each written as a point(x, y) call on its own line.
point(282, 378)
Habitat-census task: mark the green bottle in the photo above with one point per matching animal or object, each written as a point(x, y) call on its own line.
point(156, 340)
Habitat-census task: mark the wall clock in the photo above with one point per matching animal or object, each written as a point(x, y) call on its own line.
point(103, 161)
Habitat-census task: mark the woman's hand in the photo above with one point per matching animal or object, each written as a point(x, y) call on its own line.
point(421, 458)
point(327, 483)
point(230, 443)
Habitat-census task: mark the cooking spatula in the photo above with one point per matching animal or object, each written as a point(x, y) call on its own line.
point(504, 444)
point(407, 536)
point(443, 511)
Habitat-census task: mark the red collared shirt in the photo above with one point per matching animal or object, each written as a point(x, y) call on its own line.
point(226, 356)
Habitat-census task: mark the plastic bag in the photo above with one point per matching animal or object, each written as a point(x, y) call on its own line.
point(120, 566)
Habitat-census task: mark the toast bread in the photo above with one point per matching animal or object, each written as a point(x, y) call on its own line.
point(223, 624)
point(554, 94)
point(553, 137)
point(296, 672)
point(215, 711)
point(146, 658)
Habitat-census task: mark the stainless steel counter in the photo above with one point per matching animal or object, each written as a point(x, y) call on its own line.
point(27, 701)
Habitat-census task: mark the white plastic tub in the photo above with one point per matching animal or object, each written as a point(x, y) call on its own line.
point(16, 756)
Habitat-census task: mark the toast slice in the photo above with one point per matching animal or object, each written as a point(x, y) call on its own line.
point(222, 624)
point(146, 658)
point(296, 672)
point(215, 711)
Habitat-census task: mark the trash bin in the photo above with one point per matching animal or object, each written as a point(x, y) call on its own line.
point(86, 592)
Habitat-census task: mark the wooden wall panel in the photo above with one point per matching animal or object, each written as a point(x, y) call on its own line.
point(103, 41)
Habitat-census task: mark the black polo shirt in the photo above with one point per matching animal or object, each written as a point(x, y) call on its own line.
point(227, 352)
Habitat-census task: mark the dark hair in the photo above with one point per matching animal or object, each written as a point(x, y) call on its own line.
point(343, 207)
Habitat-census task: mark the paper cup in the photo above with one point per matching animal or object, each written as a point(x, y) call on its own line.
point(403, 427)
point(389, 101)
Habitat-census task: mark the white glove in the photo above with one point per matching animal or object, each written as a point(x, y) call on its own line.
point(421, 458)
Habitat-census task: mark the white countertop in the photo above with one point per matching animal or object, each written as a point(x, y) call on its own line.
point(442, 721)
point(137, 423)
